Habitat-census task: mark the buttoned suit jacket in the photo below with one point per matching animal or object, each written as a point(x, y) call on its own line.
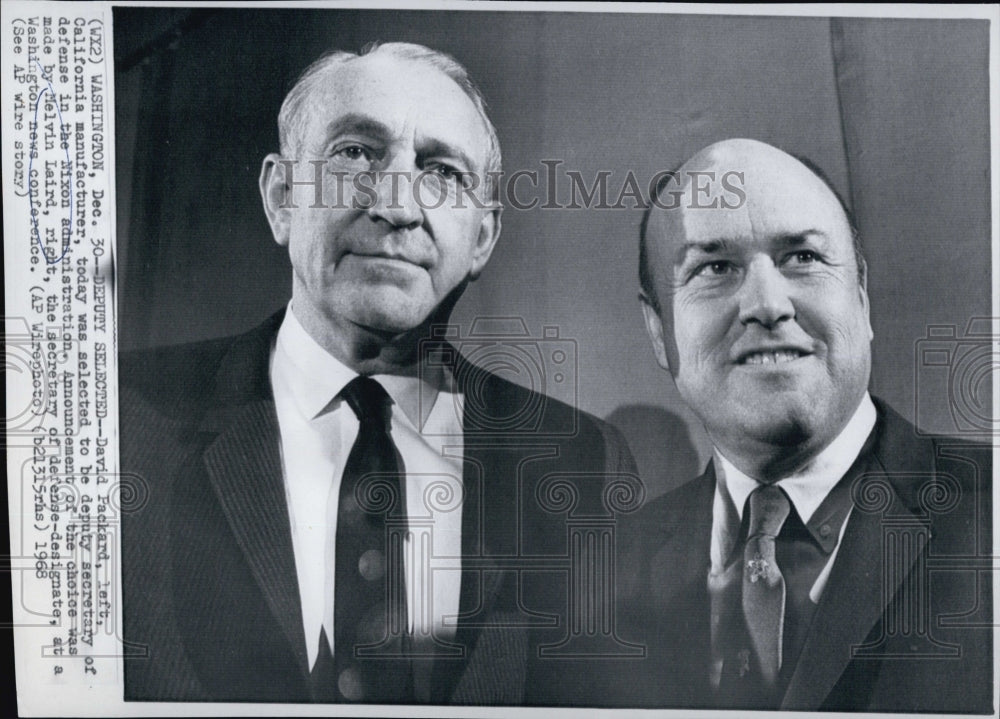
point(903, 623)
point(211, 605)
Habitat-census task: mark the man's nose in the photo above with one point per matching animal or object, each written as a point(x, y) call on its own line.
point(395, 199)
point(765, 295)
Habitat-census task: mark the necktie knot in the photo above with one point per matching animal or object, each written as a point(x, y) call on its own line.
point(769, 508)
point(369, 401)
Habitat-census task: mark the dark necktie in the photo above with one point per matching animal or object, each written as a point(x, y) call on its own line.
point(749, 601)
point(763, 585)
point(370, 636)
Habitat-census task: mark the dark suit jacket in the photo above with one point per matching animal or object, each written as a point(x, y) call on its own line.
point(903, 623)
point(211, 605)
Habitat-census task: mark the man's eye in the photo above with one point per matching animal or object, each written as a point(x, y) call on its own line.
point(802, 257)
point(446, 171)
point(718, 268)
point(354, 153)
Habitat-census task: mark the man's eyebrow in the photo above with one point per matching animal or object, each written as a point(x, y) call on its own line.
point(440, 148)
point(704, 247)
point(722, 244)
point(795, 239)
point(361, 124)
point(366, 125)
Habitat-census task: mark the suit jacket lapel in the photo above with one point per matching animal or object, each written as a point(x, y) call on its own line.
point(681, 571)
point(687, 547)
point(483, 460)
point(243, 463)
point(861, 583)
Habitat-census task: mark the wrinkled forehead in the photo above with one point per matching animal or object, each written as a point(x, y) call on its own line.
point(409, 98)
point(746, 192)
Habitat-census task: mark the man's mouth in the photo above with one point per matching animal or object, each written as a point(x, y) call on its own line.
point(771, 357)
point(391, 257)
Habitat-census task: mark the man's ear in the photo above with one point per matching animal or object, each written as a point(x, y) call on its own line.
point(654, 328)
point(274, 194)
point(489, 233)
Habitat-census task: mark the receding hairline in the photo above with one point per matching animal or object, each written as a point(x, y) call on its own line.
point(292, 116)
point(710, 157)
point(341, 68)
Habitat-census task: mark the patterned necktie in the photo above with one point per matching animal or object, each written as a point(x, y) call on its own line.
point(370, 625)
point(763, 585)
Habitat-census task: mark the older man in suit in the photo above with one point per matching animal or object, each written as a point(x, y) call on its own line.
point(340, 507)
point(829, 557)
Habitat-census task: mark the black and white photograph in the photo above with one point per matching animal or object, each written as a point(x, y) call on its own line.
point(484, 357)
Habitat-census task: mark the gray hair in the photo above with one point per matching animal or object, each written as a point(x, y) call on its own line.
point(292, 116)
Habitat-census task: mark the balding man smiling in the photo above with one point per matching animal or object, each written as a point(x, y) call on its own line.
point(800, 570)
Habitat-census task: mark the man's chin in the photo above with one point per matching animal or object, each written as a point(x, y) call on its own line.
point(789, 432)
point(396, 321)
point(389, 325)
point(389, 311)
point(777, 423)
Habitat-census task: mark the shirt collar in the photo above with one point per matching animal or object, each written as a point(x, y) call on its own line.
point(315, 377)
point(812, 484)
point(416, 396)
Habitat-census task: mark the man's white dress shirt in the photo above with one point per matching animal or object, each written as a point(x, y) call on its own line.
point(806, 489)
point(318, 430)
